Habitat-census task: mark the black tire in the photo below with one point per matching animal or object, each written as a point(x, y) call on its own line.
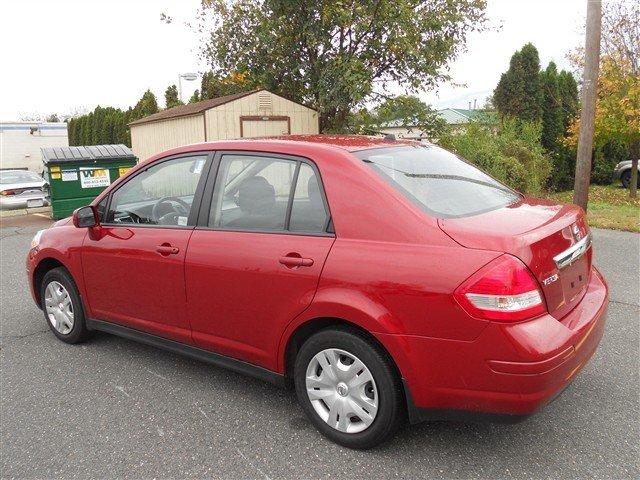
point(625, 178)
point(78, 332)
point(391, 404)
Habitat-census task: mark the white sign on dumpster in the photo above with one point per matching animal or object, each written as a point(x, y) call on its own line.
point(69, 176)
point(94, 177)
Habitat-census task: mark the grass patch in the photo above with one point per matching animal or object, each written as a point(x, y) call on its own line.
point(609, 207)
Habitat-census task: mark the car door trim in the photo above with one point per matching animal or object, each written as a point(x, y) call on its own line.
point(189, 351)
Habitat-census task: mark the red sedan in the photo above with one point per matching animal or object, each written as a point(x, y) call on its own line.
point(382, 279)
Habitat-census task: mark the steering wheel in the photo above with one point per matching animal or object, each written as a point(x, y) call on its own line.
point(182, 207)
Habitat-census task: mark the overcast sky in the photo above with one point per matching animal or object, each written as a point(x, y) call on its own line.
point(68, 55)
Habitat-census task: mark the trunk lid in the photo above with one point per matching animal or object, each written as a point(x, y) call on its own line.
point(552, 240)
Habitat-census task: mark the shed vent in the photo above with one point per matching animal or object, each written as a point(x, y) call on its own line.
point(264, 101)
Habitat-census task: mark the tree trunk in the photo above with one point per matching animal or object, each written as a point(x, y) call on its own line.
point(589, 91)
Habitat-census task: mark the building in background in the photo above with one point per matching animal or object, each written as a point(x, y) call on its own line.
point(20, 143)
point(460, 116)
point(455, 117)
point(256, 113)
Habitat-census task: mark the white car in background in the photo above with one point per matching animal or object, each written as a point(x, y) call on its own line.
point(22, 189)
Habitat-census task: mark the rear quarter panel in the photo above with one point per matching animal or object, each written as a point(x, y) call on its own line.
point(392, 270)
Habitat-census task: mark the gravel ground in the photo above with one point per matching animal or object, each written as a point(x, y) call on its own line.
point(113, 408)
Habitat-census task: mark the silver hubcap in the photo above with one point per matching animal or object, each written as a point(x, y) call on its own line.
point(342, 390)
point(59, 307)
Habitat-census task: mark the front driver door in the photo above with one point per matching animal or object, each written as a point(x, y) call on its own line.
point(255, 259)
point(134, 262)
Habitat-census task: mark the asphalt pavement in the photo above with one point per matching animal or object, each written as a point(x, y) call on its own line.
point(112, 408)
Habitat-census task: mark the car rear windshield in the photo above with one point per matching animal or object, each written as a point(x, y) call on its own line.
point(437, 181)
point(18, 177)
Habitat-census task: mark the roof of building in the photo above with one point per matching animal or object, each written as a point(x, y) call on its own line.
point(200, 107)
point(32, 125)
point(192, 108)
point(450, 115)
point(460, 115)
point(91, 152)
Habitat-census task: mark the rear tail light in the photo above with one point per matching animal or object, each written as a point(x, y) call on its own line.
point(503, 290)
point(17, 191)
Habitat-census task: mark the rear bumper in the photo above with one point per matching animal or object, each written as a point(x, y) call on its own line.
point(17, 202)
point(509, 371)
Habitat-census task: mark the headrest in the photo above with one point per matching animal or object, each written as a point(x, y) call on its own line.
point(256, 195)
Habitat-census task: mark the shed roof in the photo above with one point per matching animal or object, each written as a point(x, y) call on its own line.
point(192, 108)
point(91, 152)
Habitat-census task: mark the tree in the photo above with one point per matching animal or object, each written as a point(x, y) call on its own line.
point(70, 131)
point(52, 118)
point(569, 101)
point(96, 126)
point(330, 54)
point(195, 97)
point(213, 86)
point(563, 156)
point(509, 149)
point(617, 108)
point(552, 116)
point(171, 97)
point(518, 93)
point(147, 105)
point(617, 105)
point(88, 130)
point(403, 111)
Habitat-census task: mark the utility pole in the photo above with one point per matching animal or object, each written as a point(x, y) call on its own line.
point(589, 92)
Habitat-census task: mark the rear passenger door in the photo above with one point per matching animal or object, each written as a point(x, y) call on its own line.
point(255, 257)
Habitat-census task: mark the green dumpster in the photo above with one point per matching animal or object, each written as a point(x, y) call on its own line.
point(76, 175)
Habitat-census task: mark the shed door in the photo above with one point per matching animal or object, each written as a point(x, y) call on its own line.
point(265, 126)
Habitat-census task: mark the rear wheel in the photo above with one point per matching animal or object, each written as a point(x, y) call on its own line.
point(348, 388)
point(62, 306)
point(626, 179)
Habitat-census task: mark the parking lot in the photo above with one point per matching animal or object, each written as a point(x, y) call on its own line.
point(115, 408)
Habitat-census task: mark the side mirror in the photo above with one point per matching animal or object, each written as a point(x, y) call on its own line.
point(85, 217)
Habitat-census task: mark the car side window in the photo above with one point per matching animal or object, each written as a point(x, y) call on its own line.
point(252, 193)
point(308, 212)
point(160, 195)
point(265, 193)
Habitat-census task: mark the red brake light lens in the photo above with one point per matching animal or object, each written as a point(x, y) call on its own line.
point(7, 193)
point(503, 290)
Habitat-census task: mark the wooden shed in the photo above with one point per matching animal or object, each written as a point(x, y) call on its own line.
point(256, 113)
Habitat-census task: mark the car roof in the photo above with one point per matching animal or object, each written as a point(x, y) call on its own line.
point(291, 144)
point(350, 143)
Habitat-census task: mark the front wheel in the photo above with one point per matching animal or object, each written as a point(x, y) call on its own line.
point(348, 388)
point(62, 306)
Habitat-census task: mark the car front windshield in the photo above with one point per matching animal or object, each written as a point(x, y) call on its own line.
point(437, 181)
point(18, 177)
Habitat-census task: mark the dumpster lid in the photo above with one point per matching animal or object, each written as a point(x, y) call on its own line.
point(89, 152)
